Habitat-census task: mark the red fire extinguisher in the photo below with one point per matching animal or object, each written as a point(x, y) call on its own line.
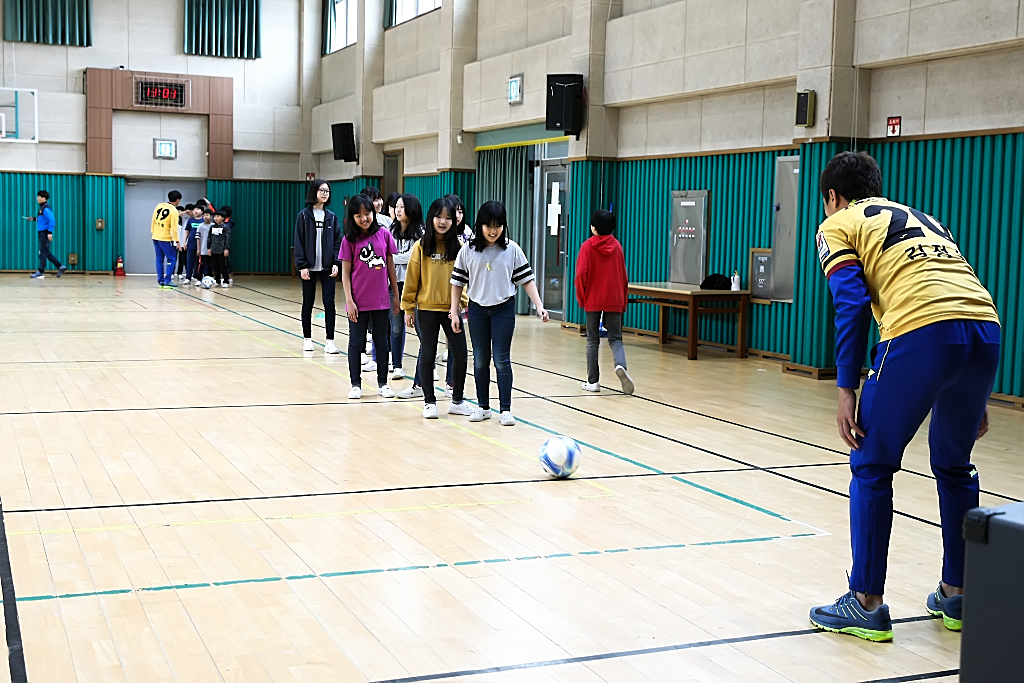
point(119, 267)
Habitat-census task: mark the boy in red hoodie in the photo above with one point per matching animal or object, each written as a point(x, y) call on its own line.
point(601, 283)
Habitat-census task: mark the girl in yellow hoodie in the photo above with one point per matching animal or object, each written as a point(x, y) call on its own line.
point(427, 294)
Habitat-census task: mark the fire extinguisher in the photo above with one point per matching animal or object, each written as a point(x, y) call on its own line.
point(119, 266)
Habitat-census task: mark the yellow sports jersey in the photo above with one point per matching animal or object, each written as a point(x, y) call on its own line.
point(165, 223)
point(915, 272)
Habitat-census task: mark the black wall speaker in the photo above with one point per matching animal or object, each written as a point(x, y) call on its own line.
point(344, 138)
point(805, 108)
point(565, 103)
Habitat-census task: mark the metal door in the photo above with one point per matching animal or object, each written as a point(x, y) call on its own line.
point(688, 237)
point(550, 204)
point(140, 198)
point(787, 194)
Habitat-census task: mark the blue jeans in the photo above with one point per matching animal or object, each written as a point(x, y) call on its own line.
point(164, 252)
point(491, 329)
point(947, 368)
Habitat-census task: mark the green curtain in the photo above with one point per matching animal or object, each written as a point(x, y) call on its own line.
point(328, 37)
point(223, 28)
point(54, 22)
point(390, 12)
point(504, 175)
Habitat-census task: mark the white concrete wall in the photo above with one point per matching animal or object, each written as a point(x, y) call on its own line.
point(147, 35)
point(896, 30)
point(507, 26)
point(133, 134)
point(970, 93)
point(674, 49)
point(756, 117)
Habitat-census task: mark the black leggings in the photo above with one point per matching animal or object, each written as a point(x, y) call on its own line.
point(309, 296)
point(357, 344)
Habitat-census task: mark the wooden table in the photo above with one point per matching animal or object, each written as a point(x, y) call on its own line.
point(666, 295)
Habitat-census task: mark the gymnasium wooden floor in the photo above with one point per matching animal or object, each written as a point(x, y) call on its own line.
point(188, 497)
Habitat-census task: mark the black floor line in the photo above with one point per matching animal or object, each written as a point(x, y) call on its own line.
point(398, 489)
point(917, 677)
point(923, 475)
point(242, 406)
point(620, 654)
point(643, 431)
point(12, 625)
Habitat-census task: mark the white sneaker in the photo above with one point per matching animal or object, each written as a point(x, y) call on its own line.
point(355, 392)
point(624, 378)
point(436, 377)
point(307, 345)
point(330, 347)
point(412, 392)
point(397, 373)
point(506, 419)
point(460, 409)
point(588, 386)
point(369, 366)
point(386, 392)
point(430, 411)
point(479, 415)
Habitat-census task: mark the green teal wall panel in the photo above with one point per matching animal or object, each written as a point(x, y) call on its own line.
point(741, 191)
point(104, 198)
point(427, 188)
point(264, 215)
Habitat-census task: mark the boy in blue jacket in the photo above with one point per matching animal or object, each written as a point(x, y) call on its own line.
point(45, 222)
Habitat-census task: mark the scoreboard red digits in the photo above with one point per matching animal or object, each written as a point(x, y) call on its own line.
point(160, 94)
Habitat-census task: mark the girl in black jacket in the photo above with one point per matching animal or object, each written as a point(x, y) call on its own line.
point(317, 246)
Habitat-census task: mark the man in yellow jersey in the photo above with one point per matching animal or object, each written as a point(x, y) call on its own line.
point(165, 237)
point(939, 352)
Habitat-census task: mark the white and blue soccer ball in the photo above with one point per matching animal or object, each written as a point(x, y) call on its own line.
point(560, 456)
point(208, 282)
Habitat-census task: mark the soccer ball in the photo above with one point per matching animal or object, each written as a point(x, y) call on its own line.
point(560, 456)
point(208, 282)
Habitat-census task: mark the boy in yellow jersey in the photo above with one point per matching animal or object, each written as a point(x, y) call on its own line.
point(939, 352)
point(165, 237)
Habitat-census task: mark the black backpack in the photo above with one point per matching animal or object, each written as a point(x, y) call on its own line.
point(716, 281)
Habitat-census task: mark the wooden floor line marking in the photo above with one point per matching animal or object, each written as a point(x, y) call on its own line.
point(402, 568)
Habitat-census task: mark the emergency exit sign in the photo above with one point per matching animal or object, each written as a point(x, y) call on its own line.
point(893, 126)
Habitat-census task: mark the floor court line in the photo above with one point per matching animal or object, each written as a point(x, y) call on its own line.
point(630, 653)
point(626, 425)
point(424, 487)
point(403, 568)
point(640, 397)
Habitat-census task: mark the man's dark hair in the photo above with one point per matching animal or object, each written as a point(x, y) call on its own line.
point(372, 192)
point(173, 196)
point(490, 212)
point(603, 222)
point(44, 194)
point(314, 187)
point(852, 175)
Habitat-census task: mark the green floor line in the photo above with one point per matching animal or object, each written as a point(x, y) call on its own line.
point(405, 568)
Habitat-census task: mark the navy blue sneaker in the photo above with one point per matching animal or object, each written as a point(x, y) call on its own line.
point(846, 615)
point(950, 609)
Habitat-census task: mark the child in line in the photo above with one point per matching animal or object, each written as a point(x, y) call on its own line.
point(203, 245)
point(371, 288)
point(601, 284)
point(220, 244)
point(490, 268)
point(427, 294)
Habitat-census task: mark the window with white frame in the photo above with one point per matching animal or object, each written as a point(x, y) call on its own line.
point(340, 24)
point(410, 9)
